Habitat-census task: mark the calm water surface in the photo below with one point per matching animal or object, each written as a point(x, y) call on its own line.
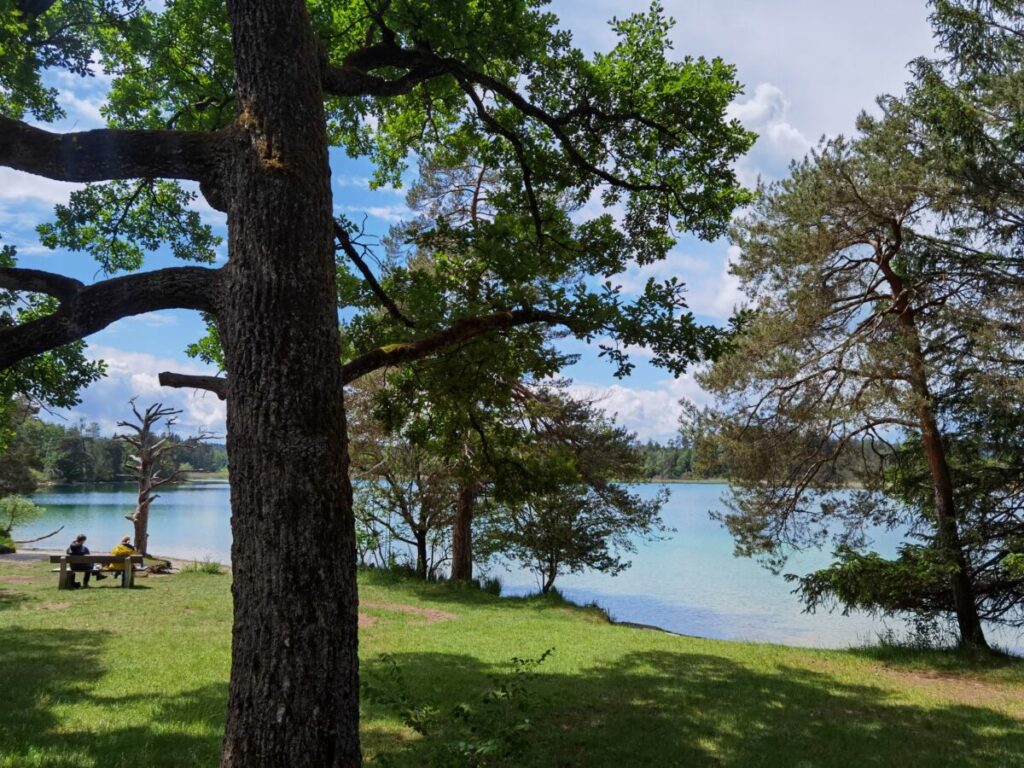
point(689, 583)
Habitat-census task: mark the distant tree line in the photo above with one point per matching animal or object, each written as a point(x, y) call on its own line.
point(669, 461)
point(697, 453)
point(40, 451)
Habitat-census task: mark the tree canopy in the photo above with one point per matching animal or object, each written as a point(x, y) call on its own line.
point(243, 100)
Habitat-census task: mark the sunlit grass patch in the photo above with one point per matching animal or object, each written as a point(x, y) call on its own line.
point(139, 677)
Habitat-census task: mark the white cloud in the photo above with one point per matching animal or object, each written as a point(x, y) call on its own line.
point(33, 249)
point(595, 207)
point(103, 79)
point(134, 374)
point(711, 291)
point(349, 181)
point(766, 113)
point(156, 319)
point(831, 59)
point(20, 187)
point(651, 413)
point(767, 105)
point(680, 264)
point(83, 112)
point(716, 295)
point(390, 213)
point(210, 215)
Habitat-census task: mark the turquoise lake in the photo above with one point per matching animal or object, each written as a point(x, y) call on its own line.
point(688, 583)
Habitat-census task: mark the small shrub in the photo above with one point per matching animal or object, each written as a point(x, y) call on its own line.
point(15, 511)
point(399, 571)
point(206, 566)
point(491, 586)
point(555, 597)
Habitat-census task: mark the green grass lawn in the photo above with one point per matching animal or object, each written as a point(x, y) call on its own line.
point(109, 677)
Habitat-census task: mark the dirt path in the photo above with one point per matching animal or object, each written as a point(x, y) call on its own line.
point(429, 615)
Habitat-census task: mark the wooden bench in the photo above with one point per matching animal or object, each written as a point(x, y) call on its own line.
point(66, 574)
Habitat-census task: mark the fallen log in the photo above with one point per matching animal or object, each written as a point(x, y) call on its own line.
point(31, 541)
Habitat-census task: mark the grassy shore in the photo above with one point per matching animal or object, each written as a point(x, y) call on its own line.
point(108, 677)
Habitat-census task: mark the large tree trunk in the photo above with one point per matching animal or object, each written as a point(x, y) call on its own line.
point(294, 679)
point(421, 554)
point(968, 621)
point(462, 532)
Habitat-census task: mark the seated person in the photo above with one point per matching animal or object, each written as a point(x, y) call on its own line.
point(123, 549)
point(86, 569)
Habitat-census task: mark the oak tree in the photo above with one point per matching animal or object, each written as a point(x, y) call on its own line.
point(243, 101)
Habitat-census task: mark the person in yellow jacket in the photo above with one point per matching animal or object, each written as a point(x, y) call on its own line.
point(123, 549)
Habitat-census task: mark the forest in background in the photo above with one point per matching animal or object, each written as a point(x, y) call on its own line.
point(42, 452)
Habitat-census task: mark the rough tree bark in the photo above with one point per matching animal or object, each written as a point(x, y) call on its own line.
point(462, 531)
point(293, 699)
point(550, 574)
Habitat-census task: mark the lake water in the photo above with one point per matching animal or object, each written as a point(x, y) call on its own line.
point(688, 583)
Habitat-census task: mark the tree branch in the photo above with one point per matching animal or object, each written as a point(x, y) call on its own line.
point(105, 154)
point(349, 248)
point(33, 8)
point(461, 331)
point(353, 78)
point(396, 354)
point(92, 308)
point(350, 81)
point(36, 281)
point(40, 538)
point(421, 64)
point(215, 384)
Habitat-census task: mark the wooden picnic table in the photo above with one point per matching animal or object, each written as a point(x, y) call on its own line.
point(66, 574)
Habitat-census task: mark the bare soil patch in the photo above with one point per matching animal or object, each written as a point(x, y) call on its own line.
point(959, 689)
point(9, 579)
point(429, 615)
point(53, 606)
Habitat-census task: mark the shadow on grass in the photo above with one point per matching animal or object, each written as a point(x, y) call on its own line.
point(10, 600)
point(46, 669)
point(684, 709)
point(457, 593)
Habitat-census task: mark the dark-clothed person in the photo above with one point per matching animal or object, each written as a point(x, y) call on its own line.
point(86, 569)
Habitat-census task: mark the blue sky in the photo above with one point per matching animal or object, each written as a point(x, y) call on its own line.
point(808, 67)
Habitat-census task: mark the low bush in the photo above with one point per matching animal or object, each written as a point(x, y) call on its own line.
point(206, 566)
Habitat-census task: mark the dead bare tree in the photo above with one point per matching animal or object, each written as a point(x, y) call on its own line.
point(150, 450)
